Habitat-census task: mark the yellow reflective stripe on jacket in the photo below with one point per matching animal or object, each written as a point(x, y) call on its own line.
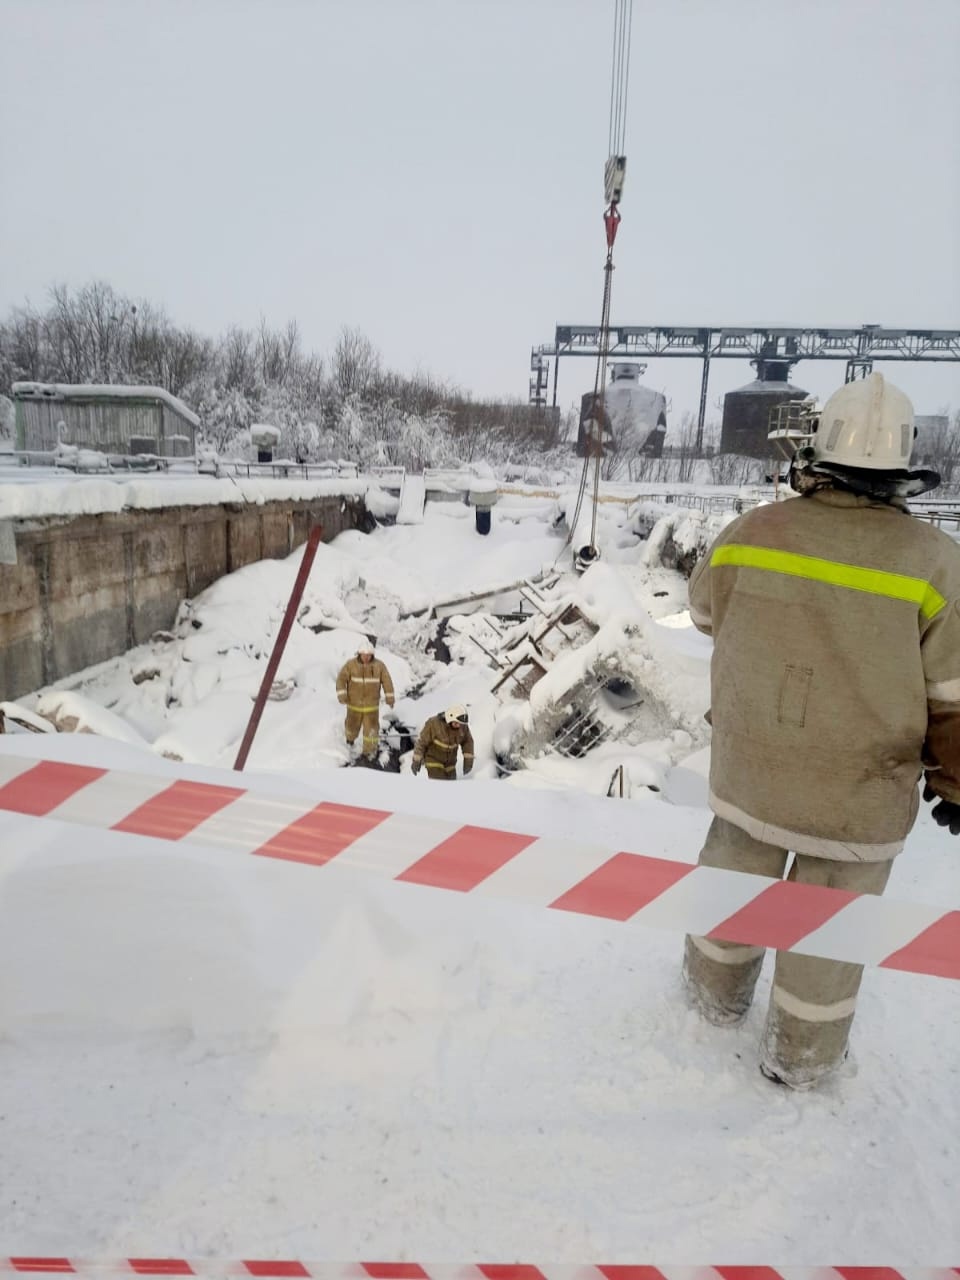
point(363, 709)
point(877, 582)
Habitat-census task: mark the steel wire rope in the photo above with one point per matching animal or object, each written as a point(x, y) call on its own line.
point(599, 412)
point(616, 141)
point(620, 76)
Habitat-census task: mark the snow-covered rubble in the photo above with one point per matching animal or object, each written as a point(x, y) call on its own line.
point(680, 538)
point(19, 719)
point(73, 713)
point(189, 693)
point(641, 687)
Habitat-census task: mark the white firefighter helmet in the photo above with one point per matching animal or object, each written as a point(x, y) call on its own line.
point(363, 648)
point(868, 424)
point(456, 715)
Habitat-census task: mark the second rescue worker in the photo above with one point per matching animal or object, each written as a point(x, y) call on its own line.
point(358, 688)
point(440, 740)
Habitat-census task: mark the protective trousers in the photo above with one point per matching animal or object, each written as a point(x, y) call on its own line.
point(367, 719)
point(442, 772)
point(813, 1000)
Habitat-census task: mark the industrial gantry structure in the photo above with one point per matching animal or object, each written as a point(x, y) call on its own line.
point(860, 348)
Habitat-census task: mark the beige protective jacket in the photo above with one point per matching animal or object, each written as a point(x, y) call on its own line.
point(438, 744)
point(359, 684)
point(835, 674)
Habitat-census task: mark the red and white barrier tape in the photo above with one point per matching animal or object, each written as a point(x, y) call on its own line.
point(586, 879)
point(292, 1268)
point(280, 1269)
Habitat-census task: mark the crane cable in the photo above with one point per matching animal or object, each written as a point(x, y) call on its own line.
point(612, 219)
point(613, 183)
point(620, 77)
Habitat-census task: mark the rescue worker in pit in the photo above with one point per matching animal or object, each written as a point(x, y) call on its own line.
point(358, 688)
point(440, 739)
point(835, 686)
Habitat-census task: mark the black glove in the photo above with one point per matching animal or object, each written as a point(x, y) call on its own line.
point(415, 767)
point(945, 813)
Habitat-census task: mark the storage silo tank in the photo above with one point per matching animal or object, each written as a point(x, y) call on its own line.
point(746, 411)
point(636, 416)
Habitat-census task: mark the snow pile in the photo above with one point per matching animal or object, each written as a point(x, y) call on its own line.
point(77, 459)
point(679, 539)
point(73, 713)
point(264, 436)
point(644, 515)
point(208, 460)
point(381, 504)
point(482, 491)
point(18, 719)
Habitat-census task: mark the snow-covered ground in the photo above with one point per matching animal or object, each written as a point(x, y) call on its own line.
point(209, 1054)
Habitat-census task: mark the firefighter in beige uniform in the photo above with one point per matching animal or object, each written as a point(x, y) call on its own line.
point(835, 685)
point(440, 740)
point(358, 688)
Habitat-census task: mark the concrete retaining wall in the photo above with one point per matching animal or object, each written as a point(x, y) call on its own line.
point(88, 588)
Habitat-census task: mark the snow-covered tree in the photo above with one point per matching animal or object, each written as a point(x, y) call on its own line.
point(226, 414)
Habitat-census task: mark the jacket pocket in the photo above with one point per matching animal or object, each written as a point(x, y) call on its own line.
point(794, 692)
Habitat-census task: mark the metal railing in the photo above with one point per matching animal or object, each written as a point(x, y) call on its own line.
point(947, 516)
point(133, 462)
point(392, 477)
point(579, 734)
point(283, 470)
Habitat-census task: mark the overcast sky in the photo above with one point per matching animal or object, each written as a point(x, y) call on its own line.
point(431, 171)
